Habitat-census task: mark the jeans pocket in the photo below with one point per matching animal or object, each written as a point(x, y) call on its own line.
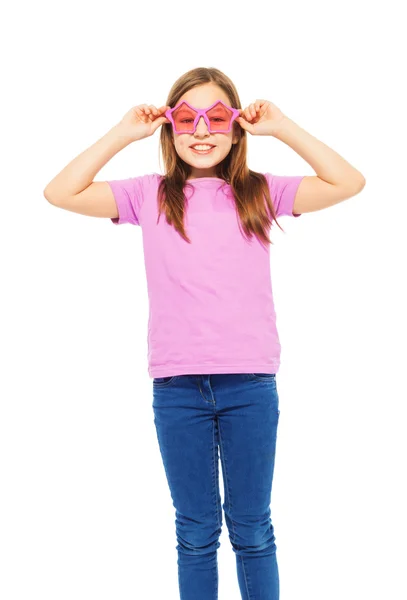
point(163, 381)
point(266, 377)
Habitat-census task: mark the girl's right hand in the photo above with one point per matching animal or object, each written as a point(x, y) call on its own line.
point(142, 121)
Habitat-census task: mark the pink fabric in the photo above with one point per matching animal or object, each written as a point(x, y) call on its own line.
point(211, 301)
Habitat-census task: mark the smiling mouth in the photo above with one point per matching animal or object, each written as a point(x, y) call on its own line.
point(202, 151)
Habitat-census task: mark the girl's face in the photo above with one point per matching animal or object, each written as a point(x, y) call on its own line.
point(203, 165)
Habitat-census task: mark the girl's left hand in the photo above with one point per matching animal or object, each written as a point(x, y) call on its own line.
point(261, 118)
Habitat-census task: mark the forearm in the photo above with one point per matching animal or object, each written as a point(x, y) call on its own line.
point(81, 171)
point(327, 163)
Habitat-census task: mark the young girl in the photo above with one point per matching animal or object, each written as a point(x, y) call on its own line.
point(213, 346)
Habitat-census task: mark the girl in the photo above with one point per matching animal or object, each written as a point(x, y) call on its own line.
point(213, 346)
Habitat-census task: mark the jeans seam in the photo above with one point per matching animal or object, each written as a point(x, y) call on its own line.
point(216, 485)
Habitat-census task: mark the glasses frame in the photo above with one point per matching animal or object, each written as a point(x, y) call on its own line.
point(201, 112)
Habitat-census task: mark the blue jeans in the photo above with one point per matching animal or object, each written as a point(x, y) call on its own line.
point(239, 413)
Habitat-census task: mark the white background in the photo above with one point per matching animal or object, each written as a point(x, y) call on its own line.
point(85, 511)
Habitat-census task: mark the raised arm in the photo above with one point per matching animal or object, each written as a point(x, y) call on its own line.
point(74, 189)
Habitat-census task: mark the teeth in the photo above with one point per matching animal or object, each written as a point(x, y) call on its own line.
point(199, 147)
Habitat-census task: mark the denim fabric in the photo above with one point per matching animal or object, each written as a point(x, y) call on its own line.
point(194, 415)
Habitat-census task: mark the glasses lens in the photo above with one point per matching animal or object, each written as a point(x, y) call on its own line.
point(219, 118)
point(184, 118)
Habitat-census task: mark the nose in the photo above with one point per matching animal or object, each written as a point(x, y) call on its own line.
point(201, 126)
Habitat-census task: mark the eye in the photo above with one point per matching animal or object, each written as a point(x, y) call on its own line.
point(186, 120)
point(217, 119)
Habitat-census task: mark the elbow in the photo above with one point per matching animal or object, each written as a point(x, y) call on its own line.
point(49, 196)
point(362, 182)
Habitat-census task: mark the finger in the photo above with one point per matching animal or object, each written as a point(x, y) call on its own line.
point(262, 104)
point(160, 121)
point(244, 124)
point(141, 114)
point(162, 110)
point(144, 110)
point(247, 126)
point(150, 112)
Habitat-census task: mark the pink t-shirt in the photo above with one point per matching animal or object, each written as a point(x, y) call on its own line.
point(211, 306)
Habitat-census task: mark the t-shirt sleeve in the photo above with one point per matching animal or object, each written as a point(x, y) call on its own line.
point(128, 194)
point(283, 189)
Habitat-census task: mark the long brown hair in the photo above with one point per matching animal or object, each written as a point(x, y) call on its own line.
point(249, 187)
